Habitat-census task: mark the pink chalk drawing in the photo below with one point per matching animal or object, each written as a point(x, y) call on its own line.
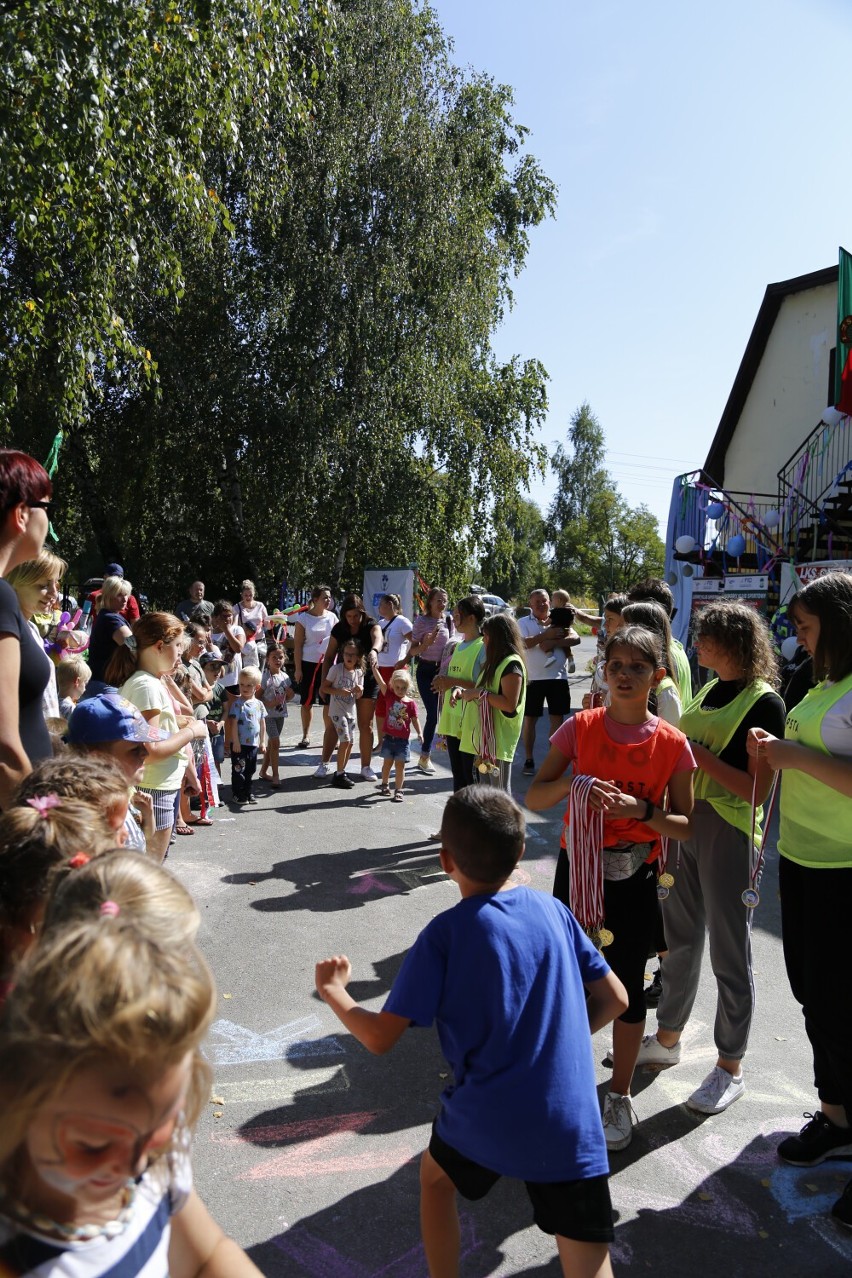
point(318, 1147)
point(369, 883)
point(316, 1258)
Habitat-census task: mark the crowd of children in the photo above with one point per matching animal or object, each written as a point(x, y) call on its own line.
point(106, 997)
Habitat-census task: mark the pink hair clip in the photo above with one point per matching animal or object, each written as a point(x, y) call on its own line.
point(44, 802)
point(110, 909)
point(78, 861)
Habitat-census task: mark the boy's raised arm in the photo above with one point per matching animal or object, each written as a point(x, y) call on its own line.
point(378, 1031)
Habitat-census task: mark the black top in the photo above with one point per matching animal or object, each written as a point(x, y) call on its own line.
point(102, 646)
point(768, 713)
point(35, 672)
point(363, 636)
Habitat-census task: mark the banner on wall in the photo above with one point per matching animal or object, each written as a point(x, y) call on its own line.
point(794, 577)
point(748, 588)
point(389, 581)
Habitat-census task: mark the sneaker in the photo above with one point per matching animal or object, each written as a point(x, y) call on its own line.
point(719, 1090)
point(342, 781)
point(367, 774)
point(529, 767)
point(425, 765)
point(251, 799)
point(324, 770)
point(653, 1054)
point(819, 1138)
point(654, 991)
point(842, 1209)
point(619, 1119)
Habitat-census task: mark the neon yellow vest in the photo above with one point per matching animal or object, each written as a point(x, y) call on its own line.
point(816, 821)
point(461, 667)
point(507, 730)
point(684, 671)
point(714, 729)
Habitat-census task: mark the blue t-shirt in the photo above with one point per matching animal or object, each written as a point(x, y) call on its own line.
point(502, 977)
point(249, 716)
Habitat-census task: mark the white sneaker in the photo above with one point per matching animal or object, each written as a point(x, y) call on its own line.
point(719, 1090)
point(655, 1056)
point(425, 765)
point(324, 770)
point(619, 1119)
point(369, 775)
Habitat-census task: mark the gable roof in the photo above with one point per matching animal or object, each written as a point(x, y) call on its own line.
point(714, 466)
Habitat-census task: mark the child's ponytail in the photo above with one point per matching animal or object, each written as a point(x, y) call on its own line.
point(153, 628)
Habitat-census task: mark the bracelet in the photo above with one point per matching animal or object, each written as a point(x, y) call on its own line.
point(649, 811)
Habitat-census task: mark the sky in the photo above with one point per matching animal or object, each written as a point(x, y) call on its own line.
point(701, 153)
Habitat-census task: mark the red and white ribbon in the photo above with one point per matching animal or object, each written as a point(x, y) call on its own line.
point(585, 844)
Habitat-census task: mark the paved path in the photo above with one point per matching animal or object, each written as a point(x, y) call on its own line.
point(308, 1152)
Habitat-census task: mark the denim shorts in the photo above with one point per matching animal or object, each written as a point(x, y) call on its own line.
point(395, 748)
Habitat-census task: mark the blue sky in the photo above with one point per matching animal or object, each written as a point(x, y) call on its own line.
point(700, 154)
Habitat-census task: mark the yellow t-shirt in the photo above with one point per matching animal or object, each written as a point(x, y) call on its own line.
point(146, 692)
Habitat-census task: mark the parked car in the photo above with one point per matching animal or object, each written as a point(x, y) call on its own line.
point(493, 603)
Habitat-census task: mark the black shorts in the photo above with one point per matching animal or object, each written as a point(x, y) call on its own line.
point(576, 1209)
point(556, 692)
point(309, 688)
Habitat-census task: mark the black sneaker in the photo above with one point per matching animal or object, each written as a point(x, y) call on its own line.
point(529, 767)
point(654, 991)
point(842, 1209)
point(818, 1139)
point(341, 781)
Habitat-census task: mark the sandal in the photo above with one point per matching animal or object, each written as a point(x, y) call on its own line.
point(183, 829)
point(200, 821)
point(303, 744)
point(397, 798)
point(384, 789)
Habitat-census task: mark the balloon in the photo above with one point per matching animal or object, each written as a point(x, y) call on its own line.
point(715, 510)
point(772, 518)
point(831, 416)
point(688, 570)
point(672, 578)
point(736, 545)
point(64, 618)
point(685, 544)
point(788, 647)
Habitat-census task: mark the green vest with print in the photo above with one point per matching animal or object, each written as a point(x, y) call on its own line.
point(684, 671)
point(507, 730)
point(714, 729)
point(816, 821)
point(461, 667)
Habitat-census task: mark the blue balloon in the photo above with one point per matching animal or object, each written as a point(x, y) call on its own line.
point(736, 545)
point(715, 510)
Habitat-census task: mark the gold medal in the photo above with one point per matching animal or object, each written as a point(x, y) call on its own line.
point(605, 937)
point(483, 768)
point(666, 880)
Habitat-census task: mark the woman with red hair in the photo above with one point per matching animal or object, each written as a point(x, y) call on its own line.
point(25, 493)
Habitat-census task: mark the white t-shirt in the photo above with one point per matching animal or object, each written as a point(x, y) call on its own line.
point(836, 729)
point(395, 644)
point(230, 676)
point(317, 633)
point(256, 613)
point(536, 657)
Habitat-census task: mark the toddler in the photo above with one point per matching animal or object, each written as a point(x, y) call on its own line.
point(242, 734)
point(276, 690)
point(72, 675)
point(213, 666)
point(400, 714)
point(501, 975)
point(343, 685)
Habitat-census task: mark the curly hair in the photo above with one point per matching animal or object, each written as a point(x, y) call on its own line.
point(745, 637)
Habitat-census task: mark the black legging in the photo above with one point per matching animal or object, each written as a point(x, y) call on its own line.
point(461, 764)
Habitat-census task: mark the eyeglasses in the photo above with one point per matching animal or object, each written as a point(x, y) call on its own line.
point(46, 506)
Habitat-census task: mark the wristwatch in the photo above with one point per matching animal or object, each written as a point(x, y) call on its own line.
point(649, 811)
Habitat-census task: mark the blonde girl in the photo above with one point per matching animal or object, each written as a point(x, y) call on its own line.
point(101, 1082)
point(96, 780)
point(36, 583)
point(400, 714)
point(344, 686)
point(275, 691)
point(138, 668)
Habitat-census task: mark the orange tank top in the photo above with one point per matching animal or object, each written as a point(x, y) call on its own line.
point(643, 769)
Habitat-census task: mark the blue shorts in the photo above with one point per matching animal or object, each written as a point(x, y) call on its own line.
point(395, 748)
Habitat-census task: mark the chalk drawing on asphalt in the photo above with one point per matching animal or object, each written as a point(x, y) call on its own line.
point(232, 1044)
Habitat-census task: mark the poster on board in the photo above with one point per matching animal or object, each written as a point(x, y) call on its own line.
point(389, 581)
point(795, 576)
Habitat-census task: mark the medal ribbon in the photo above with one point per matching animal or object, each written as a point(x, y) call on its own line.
point(756, 855)
point(487, 743)
point(585, 843)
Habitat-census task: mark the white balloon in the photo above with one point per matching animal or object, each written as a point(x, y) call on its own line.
point(772, 518)
point(788, 647)
point(685, 544)
point(831, 416)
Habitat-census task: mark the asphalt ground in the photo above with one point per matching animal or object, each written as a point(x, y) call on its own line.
point(308, 1152)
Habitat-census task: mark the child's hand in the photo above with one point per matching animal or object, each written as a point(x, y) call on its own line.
point(333, 971)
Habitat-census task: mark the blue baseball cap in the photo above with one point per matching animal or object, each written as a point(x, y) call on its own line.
point(107, 717)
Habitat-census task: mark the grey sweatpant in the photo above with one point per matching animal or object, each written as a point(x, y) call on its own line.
point(713, 872)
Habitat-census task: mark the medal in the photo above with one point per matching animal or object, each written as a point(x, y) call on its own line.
point(662, 890)
point(666, 880)
point(751, 898)
point(605, 937)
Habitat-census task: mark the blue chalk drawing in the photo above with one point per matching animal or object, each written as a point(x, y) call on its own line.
point(232, 1044)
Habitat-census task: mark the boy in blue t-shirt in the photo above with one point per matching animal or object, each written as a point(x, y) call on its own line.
point(242, 734)
point(502, 976)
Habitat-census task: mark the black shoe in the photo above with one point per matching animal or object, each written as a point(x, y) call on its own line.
point(251, 799)
point(655, 989)
point(341, 781)
point(818, 1139)
point(529, 767)
point(842, 1209)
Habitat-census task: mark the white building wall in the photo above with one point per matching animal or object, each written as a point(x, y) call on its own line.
point(789, 391)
